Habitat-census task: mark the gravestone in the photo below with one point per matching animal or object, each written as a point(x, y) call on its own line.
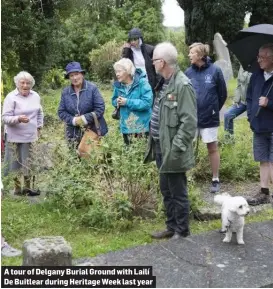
point(47, 251)
point(223, 57)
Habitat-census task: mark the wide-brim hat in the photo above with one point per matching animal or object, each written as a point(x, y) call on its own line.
point(73, 67)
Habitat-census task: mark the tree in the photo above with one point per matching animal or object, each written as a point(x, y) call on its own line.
point(26, 36)
point(144, 14)
point(38, 35)
point(203, 18)
point(262, 12)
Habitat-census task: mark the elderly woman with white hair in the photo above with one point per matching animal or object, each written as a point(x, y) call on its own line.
point(23, 119)
point(134, 97)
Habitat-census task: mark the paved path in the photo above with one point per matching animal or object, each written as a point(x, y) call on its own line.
point(203, 260)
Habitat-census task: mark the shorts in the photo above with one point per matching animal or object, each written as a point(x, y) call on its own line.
point(263, 147)
point(208, 135)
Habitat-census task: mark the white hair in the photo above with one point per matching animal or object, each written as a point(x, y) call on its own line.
point(167, 52)
point(268, 46)
point(125, 64)
point(24, 75)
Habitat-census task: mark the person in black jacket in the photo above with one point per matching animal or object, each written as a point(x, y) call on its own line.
point(259, 100)
point(140, 54)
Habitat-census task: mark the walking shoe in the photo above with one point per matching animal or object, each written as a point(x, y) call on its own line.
point(162, 234)
point(258, 199)
point(8, 251)
point(31, 192)
point(215, 187)
point(178, 236)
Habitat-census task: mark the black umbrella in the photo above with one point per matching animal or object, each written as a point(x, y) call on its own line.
point(247, 43)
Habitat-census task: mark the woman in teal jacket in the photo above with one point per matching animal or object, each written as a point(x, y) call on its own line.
point(134, 97)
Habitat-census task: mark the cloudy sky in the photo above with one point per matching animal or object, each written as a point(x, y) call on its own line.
point(173, 14)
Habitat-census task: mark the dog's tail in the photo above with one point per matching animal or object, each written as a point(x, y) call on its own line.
point(219, 199)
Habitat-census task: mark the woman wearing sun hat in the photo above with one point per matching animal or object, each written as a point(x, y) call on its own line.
point(78, 101)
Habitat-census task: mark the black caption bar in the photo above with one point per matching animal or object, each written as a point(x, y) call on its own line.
point(78, 277)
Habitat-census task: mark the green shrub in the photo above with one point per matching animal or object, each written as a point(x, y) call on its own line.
point(53, 79)
point(177, 38)
point(7, 84)
point(102, 60)
point(111, 187)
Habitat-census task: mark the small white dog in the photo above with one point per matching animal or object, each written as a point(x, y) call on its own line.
point(234, 210)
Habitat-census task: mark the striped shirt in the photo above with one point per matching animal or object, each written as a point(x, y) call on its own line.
point(155, 114)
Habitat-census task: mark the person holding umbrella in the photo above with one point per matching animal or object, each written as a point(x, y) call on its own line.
point(260, 116)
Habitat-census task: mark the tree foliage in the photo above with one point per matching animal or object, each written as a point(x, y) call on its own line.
point(262, 12)
point(39, 35)
point(203, 18)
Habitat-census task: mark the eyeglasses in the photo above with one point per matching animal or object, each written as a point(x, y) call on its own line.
point(260, 57)
point(156, 59)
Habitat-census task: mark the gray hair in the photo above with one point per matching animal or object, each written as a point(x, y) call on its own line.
point(125, 64)
point(268, 46)
point(167, 52)
point(24, 75)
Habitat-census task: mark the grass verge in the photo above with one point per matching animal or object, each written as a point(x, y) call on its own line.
point(22, 220)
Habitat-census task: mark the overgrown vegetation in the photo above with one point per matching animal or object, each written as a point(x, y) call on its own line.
point(106, 203)
point(113, 187)
point(95, 203)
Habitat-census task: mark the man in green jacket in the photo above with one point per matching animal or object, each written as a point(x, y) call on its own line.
point(172, 130)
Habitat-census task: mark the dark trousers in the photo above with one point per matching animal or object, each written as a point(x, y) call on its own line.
point(173, 187)
point(127, 138)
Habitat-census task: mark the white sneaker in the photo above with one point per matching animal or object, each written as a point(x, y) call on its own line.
point(8, 251)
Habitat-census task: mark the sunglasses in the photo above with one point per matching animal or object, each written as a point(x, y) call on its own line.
point(134, 39)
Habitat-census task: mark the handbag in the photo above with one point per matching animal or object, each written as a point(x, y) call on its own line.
point(90, 140)
point(116, 113)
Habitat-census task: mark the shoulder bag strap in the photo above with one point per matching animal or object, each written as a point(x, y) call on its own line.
point(97, 124)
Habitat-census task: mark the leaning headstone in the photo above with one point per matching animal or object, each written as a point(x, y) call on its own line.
point(47, 251)
point(223, 57)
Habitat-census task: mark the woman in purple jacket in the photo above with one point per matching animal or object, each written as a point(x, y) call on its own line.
point(23, 118)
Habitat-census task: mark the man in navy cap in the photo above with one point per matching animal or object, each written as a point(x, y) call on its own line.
point(140, 54)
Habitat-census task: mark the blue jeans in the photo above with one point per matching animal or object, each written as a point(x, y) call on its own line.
point(234, 111)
